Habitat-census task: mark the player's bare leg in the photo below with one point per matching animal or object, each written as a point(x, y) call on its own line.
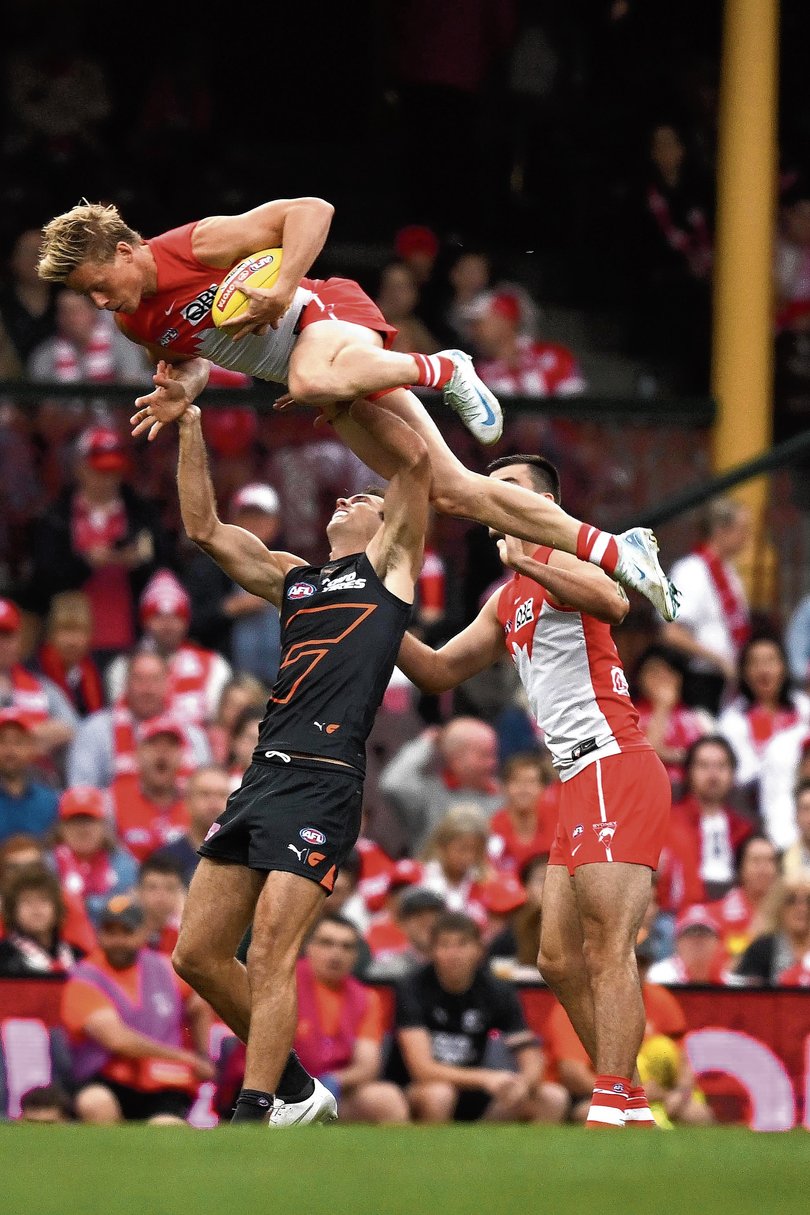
point(339, 361)
point(217, 913)
point(512, 510)
point(561, 960)
point(612, 899)
point(286, 909)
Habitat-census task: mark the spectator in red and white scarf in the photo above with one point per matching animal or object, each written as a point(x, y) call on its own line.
point(86, 854)
point(87, 347)
point(713, 624)
point(33, 913)
point(64, 656)
point(767, 705)
point(513, 363)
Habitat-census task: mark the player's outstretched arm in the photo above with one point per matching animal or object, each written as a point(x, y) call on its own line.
point(397, 549)
point(570, 582)
point(238, 552)
point(474, 649)
point(177, 385)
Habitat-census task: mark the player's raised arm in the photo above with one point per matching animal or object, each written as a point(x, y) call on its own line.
point(474, 649)
point(570, 582)
point(238, 552)
point(397, 550)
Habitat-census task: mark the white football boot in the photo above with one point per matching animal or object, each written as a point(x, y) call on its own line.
point(321, 1107)
point(468, 395)
point(639, 568)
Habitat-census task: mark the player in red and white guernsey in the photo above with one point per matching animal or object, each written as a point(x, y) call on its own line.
point(325, 339)
point(555, 617)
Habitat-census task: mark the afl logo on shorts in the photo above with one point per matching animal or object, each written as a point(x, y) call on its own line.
point(300, 590)
point(311, 835)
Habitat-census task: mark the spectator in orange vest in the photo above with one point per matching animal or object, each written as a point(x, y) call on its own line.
point(53, 720)
point(148, 806)
point(196, 675)
point(126, 1013)
point(106, 741)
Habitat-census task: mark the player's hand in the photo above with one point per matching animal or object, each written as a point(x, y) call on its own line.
point(510, 551)
point(166, 404)
point(265, 310)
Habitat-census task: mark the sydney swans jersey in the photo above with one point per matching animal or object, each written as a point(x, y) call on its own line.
point(178, 316)
point(573, 676)
point(341, 630)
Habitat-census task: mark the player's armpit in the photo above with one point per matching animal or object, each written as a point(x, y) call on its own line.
point(246, 560)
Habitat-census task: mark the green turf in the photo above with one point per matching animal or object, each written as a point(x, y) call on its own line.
point(362, 1171)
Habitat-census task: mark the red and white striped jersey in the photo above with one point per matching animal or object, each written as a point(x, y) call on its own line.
point(540, 369)
point(572, 674)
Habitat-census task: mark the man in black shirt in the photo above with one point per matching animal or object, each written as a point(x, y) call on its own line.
point(273, 855)
point(445, 1013)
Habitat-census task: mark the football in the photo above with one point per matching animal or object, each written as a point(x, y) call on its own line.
point(257, 270)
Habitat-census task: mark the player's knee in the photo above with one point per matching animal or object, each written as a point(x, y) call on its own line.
point(308, 387)
point(189, 963)
point(552, 966)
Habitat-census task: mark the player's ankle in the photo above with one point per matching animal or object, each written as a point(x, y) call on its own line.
point(608, 1101)
point(252, 1105)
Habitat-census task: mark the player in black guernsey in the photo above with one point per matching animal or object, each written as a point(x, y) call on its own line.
point(271, 858)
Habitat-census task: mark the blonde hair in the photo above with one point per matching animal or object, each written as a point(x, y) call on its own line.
point(70, 609)
point(464, 818)
point(770, 914)
point(88, 232)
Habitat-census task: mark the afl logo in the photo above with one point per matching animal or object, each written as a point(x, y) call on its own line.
point(300, 590)
point(311, 835)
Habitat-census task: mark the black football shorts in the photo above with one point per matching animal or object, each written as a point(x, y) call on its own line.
point(300, 817)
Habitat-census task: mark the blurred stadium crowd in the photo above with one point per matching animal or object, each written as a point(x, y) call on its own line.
point(133, 674)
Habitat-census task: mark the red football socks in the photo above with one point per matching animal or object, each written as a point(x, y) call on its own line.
point(600, 548)
point(608, 1102)
point(637, 1112)
point(434, 370)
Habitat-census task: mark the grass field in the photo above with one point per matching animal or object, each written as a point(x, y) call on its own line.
point(362, 1171)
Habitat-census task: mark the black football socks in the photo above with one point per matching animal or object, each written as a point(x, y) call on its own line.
point(252, 1106)
point(295, 1084)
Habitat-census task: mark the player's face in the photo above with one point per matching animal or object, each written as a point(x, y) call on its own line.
point(114, 285)
point(357, 517)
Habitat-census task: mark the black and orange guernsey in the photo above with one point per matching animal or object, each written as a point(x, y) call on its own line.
point(341, 630)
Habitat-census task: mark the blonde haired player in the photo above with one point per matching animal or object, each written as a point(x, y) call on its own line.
point(325, 339)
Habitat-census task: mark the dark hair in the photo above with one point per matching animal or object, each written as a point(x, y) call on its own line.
point(524, 759)
point(46, 1097)
point(338, 919)
point(784, 696)
point(456, 921)
point(160, 864)
point(352, 865)
point(709, 740)
point(544, 475)
point(253, 712)
point(801, 788)
point(31, 877)
point(742, 848)
point(664, 653)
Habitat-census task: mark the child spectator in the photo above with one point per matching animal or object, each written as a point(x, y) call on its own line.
point(34, 915)
point(455, 860)
point(513, 363)
point(64, 656)
point(48, 1103)
point(520, 829)
point(86, 854)
point(399, 938)
point(22, 852)
point(161, 893)
point(398, 300)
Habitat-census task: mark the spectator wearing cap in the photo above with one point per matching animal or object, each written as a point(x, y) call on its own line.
point(501, 896)
point(100, 536)
point(106, 742)
point(86, 854)
point(514, 363)
point(27, 805)
point(704, 822)
point(521, 829)
point(196, 675)
point(34, 914)
point(785, 765)
point(738, 912)
point(699, 956)
point(65, 656)
point(148, 806)
point(796, 859)
point(205, 794)
point(51, 718)
point(427, 775)
point(225, 616)
point(125, 1011)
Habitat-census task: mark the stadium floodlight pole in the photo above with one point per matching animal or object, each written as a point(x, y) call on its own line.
point(742, 339)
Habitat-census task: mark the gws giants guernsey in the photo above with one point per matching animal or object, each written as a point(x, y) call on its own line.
point(178, 316)
point(573, 677)
point(341, 630)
